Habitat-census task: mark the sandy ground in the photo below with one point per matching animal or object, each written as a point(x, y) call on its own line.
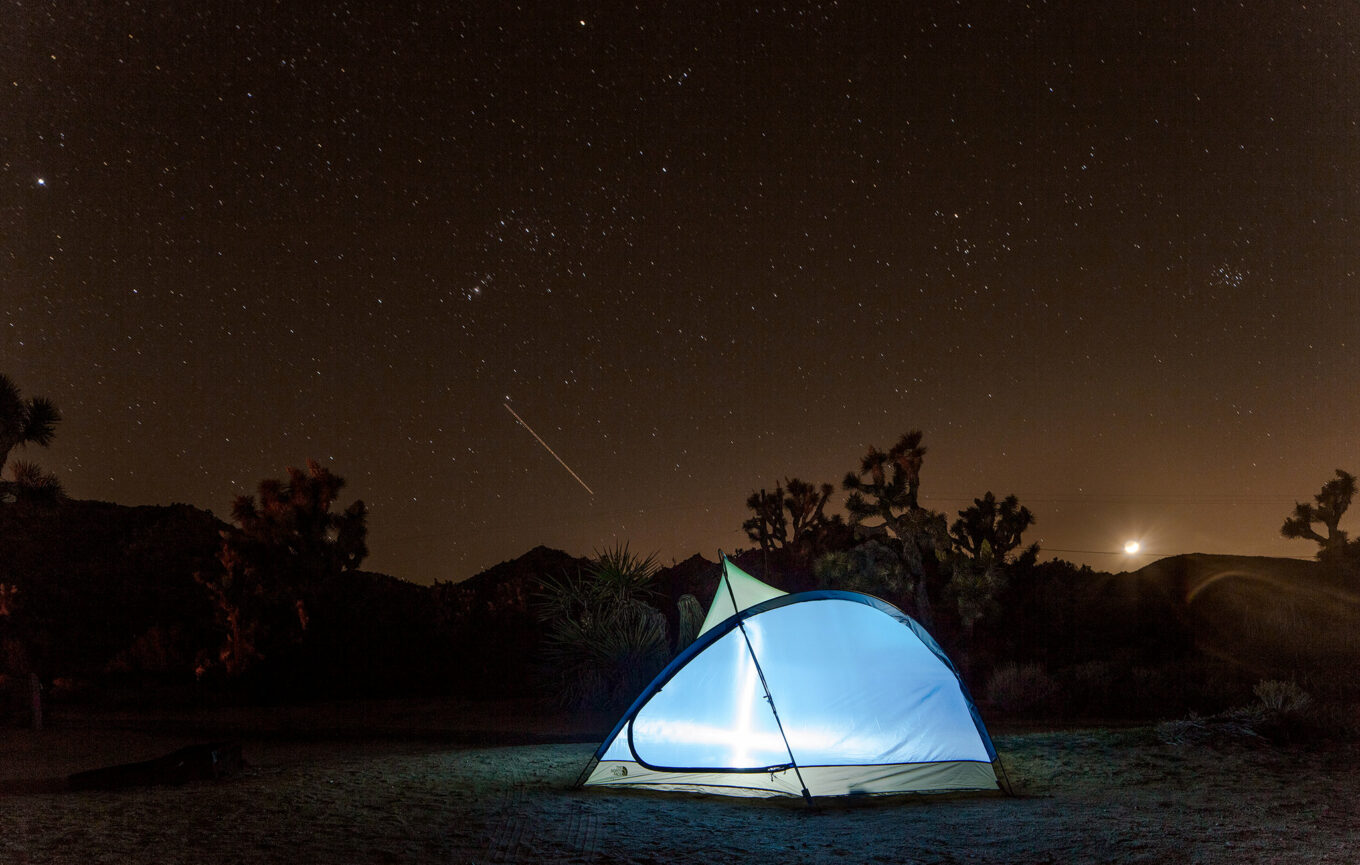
point(414, 784)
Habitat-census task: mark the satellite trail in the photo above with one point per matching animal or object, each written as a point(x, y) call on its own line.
point(546, 448)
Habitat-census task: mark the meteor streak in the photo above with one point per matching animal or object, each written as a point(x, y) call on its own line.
point(546, 448)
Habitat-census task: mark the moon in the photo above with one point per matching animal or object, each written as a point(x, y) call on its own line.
point(1132, 547)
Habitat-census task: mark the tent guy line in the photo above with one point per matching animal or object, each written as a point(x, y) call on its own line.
point(540, 440)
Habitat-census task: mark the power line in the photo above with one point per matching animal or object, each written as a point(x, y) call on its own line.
point(1150, 498)
point(1144, 553)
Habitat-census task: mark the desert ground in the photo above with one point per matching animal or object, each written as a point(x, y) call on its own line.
point(433, 781)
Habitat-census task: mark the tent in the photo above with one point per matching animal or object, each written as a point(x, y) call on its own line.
point(822, 693)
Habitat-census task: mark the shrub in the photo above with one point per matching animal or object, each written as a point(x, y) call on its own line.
point(1235, 726)
point(1277, 696)
point(1284, 713)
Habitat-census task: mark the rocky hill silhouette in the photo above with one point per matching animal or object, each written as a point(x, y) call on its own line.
point(106, 594)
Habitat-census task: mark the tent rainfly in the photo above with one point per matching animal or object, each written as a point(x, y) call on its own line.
point(822, 693)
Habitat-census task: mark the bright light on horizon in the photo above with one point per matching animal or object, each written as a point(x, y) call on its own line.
point(1132, 547)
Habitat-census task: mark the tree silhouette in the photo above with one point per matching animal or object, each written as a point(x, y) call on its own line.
point(1331, 504)
point(887, 484)
point(793, 516)
point(278, 559)
point(768, 526)
point(984, 535)
point(806, 505)
point(884, 502)
point(24, 422)
point(995, 526)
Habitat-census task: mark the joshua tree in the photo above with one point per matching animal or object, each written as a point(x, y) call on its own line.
point(293, 524)
point(279, 557)
point(793, 516)
point(24, 422)
point(887, 483)
point(768, 526)
point(1331, 504)
point(984, 535)
point(995, 526)
point(884, 502)
point(806, 504)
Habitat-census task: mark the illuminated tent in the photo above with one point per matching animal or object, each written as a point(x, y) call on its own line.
point(821, 693)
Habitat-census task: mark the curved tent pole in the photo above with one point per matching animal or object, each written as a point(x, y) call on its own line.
point(769, 698)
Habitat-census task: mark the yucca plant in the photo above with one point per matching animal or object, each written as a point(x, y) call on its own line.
point(603, 641)
point(24, 422)
point(32, 485)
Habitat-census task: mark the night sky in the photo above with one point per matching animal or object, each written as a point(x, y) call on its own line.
point(1105, 258)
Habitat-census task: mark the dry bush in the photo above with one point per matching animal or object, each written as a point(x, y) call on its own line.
point(1235, 726)
point(1277, 696)
point(1284, 713)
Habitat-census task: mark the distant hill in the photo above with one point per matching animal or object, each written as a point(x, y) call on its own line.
point(1273, 617)
point(491, 615)
point(504, 590)
point(106, 590)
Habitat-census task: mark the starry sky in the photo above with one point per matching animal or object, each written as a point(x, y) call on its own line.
point(1103, 254)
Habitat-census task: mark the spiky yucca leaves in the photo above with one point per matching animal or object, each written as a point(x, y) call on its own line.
point(620, 574)
point(31, 485)
point(295, 521)
point(603, 641)
point(25, 422)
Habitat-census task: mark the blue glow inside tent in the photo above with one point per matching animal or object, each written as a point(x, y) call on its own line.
point(853, 686)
